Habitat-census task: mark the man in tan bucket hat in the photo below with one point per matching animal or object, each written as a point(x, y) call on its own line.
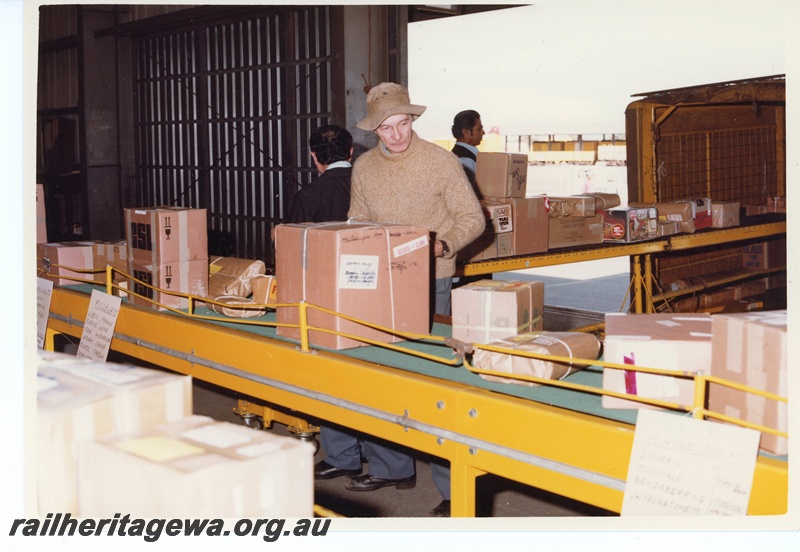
point(407, 180)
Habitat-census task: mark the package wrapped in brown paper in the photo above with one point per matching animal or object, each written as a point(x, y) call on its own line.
point(564, 344)
point(605, 200)
point(232, 276)
point(236, 307)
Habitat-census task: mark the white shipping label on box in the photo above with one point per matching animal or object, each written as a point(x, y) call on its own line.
point(683, 466)
point(410, 247)
point(358, 271)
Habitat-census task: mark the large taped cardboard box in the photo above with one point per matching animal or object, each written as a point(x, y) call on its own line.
point(52, 260)
point(232, 276)
point(181, 278)
point(572, 231)
point(376, 273)
point(79, 400)
point(669, 341)
point(577, 345)
point(630, 224)
point(164, 234)
point(197, 468)
point(486, 310)
point(500, 174)
point(751, 349)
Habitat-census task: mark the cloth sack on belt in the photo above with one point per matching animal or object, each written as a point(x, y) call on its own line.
point(232, 276)
point(564, 344)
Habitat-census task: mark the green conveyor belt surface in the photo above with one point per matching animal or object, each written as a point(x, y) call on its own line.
point(587, 403)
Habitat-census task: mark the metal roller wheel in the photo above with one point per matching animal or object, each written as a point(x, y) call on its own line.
point(253, 421)
point(309, 438)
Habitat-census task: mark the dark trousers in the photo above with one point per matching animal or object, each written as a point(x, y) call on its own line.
point(345, 451)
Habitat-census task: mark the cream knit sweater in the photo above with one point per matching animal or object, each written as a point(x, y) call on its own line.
point(422, 186)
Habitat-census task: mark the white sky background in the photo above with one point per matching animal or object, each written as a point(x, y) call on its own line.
point(571, 66)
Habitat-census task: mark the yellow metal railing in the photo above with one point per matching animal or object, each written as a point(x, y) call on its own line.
point(701, 381)
point(697, 409)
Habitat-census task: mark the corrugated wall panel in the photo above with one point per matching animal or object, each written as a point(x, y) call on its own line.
point(224, 114)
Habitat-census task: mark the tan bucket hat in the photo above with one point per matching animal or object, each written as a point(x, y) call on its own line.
point(385, 100)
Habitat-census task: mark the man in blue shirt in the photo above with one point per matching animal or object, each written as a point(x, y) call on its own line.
point(468, 131)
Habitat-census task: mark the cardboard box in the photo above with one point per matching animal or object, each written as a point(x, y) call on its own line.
point(749, 289)
point(629, 224)
point(577, 345)
point(725, 214)
point(572, 231)
point(765, 254)
point(751, 349)
point(232, 276)
point(164, 234)
point(41, 215)
point(583, 205)
point(111, 253)
point(376, 273)
point(497, 240)
point(189, 278)
point(751, 210)
point(500, 174)
point(776, 204)
point(79, 400)
point(197, 468)
point(701, 211)
point(486, 310)
point(265, 289)
point(531, 227)
point(681, 213)
point(488, 246)
point(52, 260)
point(669, 341)
point(492, 243)
point(667, 228)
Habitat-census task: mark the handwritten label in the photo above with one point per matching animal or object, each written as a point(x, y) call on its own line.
point(358, 271)
point(44, 291)
point(684, 466)
point(98, 329)
point(411, 246)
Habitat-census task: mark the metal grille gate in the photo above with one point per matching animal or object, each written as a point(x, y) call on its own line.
point(223, 115)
